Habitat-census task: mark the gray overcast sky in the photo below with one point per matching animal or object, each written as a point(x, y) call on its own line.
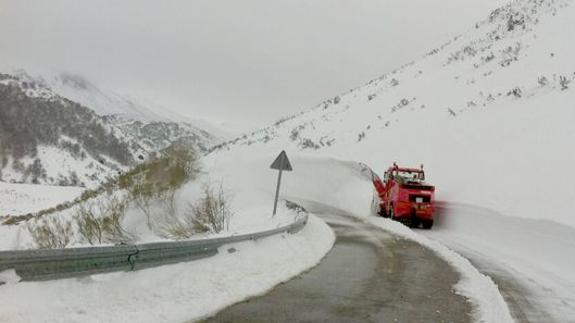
point(243, 63)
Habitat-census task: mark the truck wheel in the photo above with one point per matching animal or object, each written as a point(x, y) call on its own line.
point(427, 224)
point(382, 212)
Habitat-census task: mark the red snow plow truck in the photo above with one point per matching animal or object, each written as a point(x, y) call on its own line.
point(404, 196)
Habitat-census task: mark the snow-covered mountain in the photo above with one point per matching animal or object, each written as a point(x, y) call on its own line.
point(138, 120)
point(487, 110)
point(69, 132)
point(80, 90)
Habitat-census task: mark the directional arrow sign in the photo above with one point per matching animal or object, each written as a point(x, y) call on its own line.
point(281, 163)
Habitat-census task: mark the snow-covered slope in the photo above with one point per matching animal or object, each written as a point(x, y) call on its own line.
point(151, 136)
point(489, 113)
point(122, 107)
point(103, 102)
point(54, 137)
point(79, 89)
point(45, 138)
point(28, 198)
point(121, 110)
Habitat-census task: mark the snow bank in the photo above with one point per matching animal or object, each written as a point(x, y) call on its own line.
point(489, 305)
point(9, 277)
point(534, 253)
point(172, 293)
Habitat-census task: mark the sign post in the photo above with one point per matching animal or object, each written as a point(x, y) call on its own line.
point(281, 163)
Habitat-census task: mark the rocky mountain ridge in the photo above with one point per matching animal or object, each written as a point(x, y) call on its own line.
point(47, 138)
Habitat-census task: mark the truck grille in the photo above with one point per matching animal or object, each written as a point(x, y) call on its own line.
point(420, 198)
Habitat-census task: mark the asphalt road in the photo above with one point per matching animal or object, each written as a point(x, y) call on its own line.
point(369, 276)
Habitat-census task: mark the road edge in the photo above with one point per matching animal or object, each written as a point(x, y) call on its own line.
point(488, 302)
point(324, 246)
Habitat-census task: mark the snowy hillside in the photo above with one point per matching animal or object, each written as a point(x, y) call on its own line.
point(49, 138)
point(486, 113)
point(141, 123)
point(78, 89)
point(81, 90)
point(152, 136)
point(124, 110)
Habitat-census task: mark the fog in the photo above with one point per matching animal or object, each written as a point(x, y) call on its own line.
point(240, 64)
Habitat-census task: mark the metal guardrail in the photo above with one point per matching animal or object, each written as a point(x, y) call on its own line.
point(45, 264)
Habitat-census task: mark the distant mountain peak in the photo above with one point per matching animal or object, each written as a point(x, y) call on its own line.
point(74, 81)
point(67, 131)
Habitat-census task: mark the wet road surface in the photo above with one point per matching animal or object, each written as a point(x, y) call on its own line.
point(369, 276)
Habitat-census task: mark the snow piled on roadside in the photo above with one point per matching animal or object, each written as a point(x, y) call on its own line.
point(534, 253)
point(172, 293)
point(9, 277)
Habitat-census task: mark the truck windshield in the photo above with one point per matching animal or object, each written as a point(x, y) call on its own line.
point(409, 175)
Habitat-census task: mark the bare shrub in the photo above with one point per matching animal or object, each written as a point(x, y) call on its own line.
point(88, 224)
point(51, 234)
point(178, 227)
point(307, 143)
point(516, 92)
point(564, 82)
point(106, 228)
point(294, 134)
point(114, 211)
point(211, 214)
point(159, 179)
